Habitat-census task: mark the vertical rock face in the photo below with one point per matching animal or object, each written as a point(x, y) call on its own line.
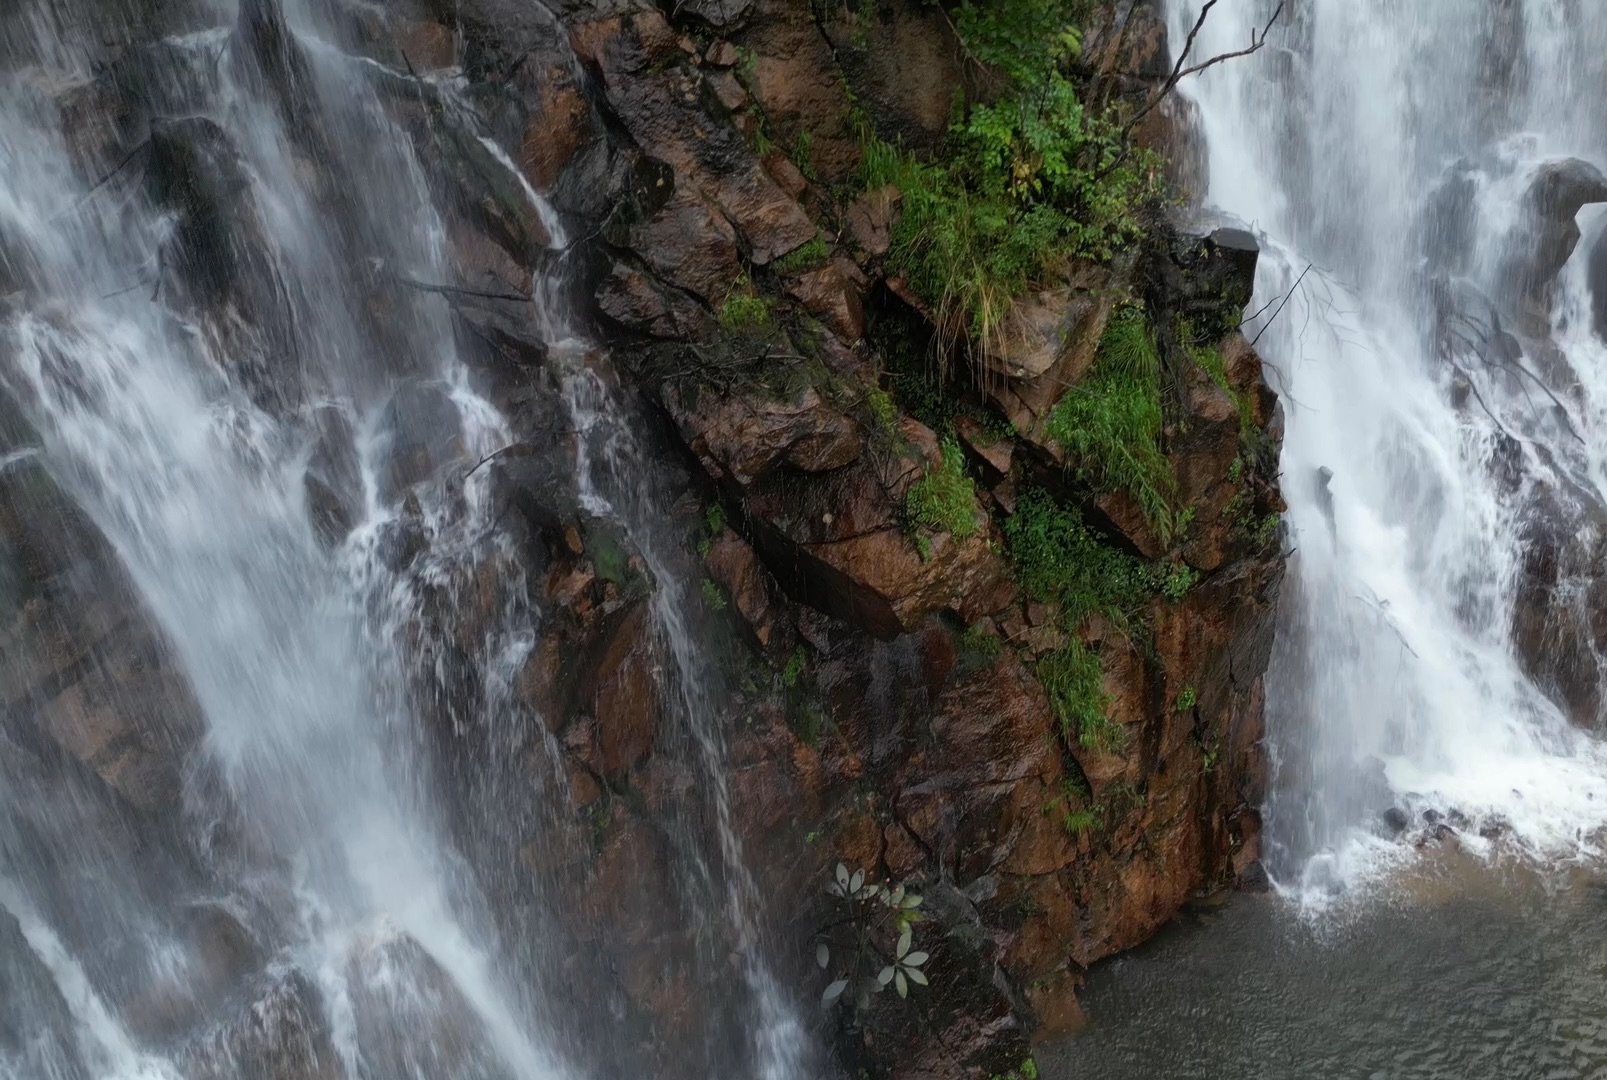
point(886, 689)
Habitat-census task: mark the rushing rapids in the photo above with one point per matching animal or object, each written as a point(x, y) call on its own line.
point(1415, 172)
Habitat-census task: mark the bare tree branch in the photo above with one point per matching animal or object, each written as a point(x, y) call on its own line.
point(1181, 70)
point(1286, 298)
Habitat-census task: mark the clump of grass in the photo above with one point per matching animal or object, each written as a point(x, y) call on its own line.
point(805, 257)
point(795, 668)
point(1077, 822)
point(944, 500)
point(981, 645)
point(713, 596)
point(1110, 422)
point(1071, 677)
point(745, 312)
point(881, 406)
point(1187, 699)
point(803, 156)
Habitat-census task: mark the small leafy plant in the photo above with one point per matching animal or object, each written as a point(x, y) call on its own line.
point(1178, 580)
point(870, 945)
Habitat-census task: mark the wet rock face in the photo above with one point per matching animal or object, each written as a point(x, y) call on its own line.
point(1560, 611)
point(37, 1034)
point(85, 667)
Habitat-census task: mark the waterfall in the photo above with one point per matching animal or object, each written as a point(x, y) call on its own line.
point(1411, 170)
point(202, 313)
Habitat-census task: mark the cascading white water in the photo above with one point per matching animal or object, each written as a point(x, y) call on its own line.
point(613, 473)
point(199, 492)
point(185, 409)
point(1389, 148)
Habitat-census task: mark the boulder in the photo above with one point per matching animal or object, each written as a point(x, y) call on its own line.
point(83, 662)
point(1545, 237)
point(411, 1019)
point(1047, 342)
point(424, 431)
point(278, 1031)
point(745, 436)
point(620, 692)
point(333, 481)
point(734, 566)
point(835, 293)
point(1559, 613)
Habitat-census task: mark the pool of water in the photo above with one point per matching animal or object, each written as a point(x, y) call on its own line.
point(1459, 971)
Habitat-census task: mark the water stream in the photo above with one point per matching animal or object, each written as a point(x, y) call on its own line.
point(1442, 374)
point(1437, 409)
point(179, 408)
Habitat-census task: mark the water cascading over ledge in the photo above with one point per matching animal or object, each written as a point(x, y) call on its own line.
point(1421, 175)
point(466, 595)
point(275, 792)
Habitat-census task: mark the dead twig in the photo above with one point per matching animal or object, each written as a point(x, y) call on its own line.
point(1182, 70)
point(1286, 298)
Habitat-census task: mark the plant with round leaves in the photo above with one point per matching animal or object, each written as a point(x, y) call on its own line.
point(869, 946)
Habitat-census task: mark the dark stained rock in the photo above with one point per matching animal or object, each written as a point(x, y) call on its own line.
point(424, 432)
point(657, 98)
point(1560, 609)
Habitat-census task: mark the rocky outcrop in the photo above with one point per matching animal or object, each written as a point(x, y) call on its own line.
point(1546, 235)
point(1559, 627)
point(883, 678)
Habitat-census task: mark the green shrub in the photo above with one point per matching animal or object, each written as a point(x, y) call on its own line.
point(1110, 422)
point(944, 500)
point(1071, 677)
point(713, 596)
point(1058, 560)
point(1031, 177)
point(1187, 699)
